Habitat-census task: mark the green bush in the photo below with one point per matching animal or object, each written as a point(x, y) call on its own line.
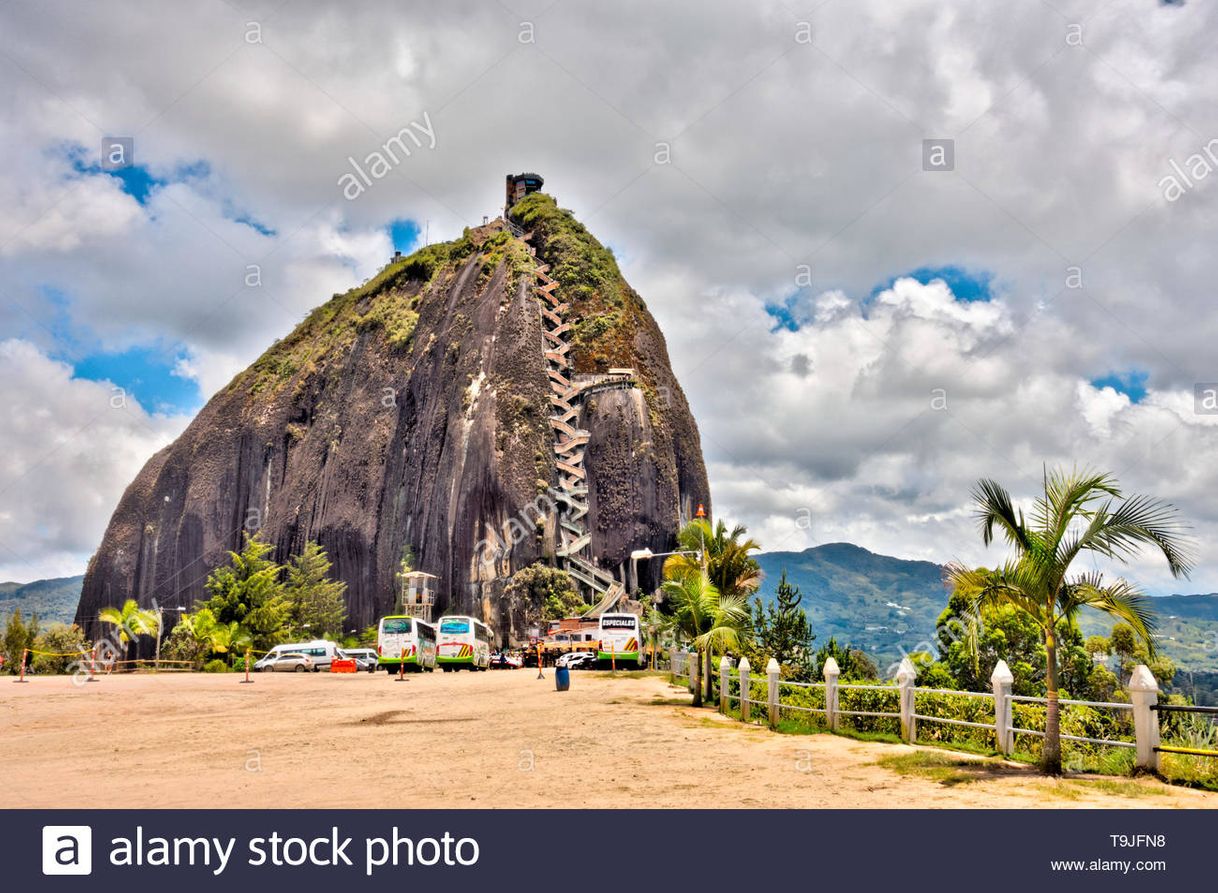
point(65, 643)
point(217, 666)
point(954, 706)
point(1083, 722)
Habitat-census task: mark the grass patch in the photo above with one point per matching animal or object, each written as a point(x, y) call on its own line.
point(948, 771)
point(669, 702)
point(388, 301)
point(606, 313)
point(1076, 788)
point(627, 674)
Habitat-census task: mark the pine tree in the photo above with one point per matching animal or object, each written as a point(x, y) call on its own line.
point(248, 591)
point(318, 606)
point(782, 631)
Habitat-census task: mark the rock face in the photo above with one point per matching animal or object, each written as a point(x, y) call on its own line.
point(412, 412)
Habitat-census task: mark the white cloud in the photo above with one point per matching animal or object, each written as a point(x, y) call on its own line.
point(783, 155)
point(69, 446)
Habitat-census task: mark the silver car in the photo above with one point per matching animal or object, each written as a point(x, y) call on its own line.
point(289, 663)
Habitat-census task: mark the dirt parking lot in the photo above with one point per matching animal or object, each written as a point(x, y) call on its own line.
point(497, 739)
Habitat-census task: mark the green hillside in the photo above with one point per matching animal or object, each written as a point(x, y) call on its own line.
point(876, 602)
point(52, 600)
point(884, 604)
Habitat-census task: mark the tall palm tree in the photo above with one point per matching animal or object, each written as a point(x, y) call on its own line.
point(706, 617)
point(724, 554)
point(130, 621)
point(1079, 512)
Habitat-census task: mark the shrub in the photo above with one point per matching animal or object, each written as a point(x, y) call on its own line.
point(217, 666)
point(66, 644)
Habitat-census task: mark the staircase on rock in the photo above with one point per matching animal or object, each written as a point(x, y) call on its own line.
point(567, 393)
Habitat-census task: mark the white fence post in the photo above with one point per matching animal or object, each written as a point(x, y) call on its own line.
point(690, 657)
point(1001, 680)
point(772, 671)
point(725, 668)
point(906, 675)
point(831, 672)
point(744, 689)
point(1144, 693)
point(672, 661)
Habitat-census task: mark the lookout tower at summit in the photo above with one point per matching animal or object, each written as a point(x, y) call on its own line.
point(518, 186)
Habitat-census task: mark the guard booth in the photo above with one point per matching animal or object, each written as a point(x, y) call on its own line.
point(418, 595)
point(518, 186)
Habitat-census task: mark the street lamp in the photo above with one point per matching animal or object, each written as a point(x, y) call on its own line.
point(644, 554)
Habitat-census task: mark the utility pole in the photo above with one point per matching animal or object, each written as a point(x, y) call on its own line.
point(160, 627)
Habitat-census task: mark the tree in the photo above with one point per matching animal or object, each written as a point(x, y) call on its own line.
point(971, 642)
point(781, 630)
point(1079, 513)
point(248, 592)
point(130, 622)
point(656, 627)
point(709, 619)
point(200, 635)
point(317, 604)
point(18, 636)
point(541, 591)
point(184, 644)
point(854, 663)
point(724, 555)
point(1129, 651)
point(64, 644)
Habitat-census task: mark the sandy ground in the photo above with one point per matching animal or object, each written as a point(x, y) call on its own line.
point(497, 739)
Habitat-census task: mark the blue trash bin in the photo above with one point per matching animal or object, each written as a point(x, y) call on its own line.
point(562, 678)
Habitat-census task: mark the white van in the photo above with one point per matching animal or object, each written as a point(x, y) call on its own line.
point(320, 651)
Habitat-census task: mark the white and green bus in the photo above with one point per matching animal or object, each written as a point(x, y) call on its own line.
point(620, 640)
point(402, 640)
point(465, 643)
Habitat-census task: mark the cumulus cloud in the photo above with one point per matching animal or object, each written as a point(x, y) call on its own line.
point(70, 447)
point(740, 158)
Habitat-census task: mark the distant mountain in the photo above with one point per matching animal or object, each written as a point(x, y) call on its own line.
point(876, 602)
point(885, 605)
point(52, 600)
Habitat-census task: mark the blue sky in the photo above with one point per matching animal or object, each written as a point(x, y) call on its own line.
point(967, 285)
point(1131, 383)
point(148, 374)
point(405, 234)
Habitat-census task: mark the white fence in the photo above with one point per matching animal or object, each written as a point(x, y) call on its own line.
point(739, 686)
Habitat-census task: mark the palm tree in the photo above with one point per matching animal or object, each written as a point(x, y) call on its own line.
point(216, 637)
point(655, 627)
point(724, 554)
point(1080, 512)
point(707, 617)
point(130, 621)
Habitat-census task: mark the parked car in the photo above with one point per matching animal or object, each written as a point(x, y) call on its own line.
point(505, 661)
point(365, 658)
point(577, 660)
point(320, 651)
point(287, 662)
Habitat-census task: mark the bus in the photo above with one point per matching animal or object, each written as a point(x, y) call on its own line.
point(399, 632)
point(464, 642)
point(620, 640)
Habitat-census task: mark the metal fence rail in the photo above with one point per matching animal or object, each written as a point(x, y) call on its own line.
point(954, 722)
